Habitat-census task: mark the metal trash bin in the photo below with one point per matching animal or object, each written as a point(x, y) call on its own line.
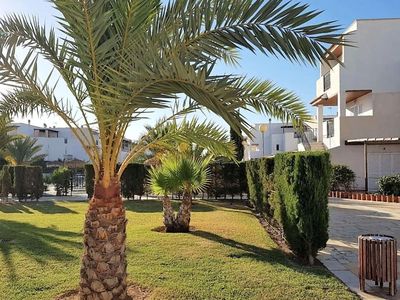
point(377, 260)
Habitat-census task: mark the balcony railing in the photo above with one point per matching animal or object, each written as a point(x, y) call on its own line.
point(307, 137)
point(327, 81)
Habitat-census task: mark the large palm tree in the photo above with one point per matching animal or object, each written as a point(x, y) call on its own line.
point(121, 59)
point(23, 151)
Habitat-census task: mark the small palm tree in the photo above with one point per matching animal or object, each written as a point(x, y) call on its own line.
point(23, 151)
point(161, 183)
point(172, 163)
point(191, 175)
point(178, 173)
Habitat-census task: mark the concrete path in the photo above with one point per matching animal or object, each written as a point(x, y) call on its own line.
point(348, 220)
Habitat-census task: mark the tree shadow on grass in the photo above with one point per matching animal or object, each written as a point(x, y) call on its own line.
point(270, 256)
point(14, 208)
point(44, 207)
point(41, 244)
point(155, 206)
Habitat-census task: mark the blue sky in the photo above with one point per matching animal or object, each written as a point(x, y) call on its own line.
point(298, 78)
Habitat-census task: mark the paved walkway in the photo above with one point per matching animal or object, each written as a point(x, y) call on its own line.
point(349, 219)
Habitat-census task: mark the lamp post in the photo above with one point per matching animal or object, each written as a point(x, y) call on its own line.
point(263, 128)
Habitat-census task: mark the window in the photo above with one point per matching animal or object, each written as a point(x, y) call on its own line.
point(277, 147)
point(327, 81)
point(65, 141)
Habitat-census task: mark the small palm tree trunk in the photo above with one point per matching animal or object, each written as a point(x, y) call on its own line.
point(183, 216)
point(103, 271)
point(169, 220)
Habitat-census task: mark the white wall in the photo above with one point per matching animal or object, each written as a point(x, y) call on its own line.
point(374, 63)
point(65, 144)
point(353, 157)
point(275, 135)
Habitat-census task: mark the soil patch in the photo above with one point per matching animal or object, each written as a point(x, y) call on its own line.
point(135, 292)
point(275, 233)
point(161, 229)
point(277, 236)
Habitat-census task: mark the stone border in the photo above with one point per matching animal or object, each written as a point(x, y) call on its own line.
point(365, 196)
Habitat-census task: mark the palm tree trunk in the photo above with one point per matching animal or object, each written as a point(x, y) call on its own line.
point(103, 271)
point(183, 216)
point(169, 218)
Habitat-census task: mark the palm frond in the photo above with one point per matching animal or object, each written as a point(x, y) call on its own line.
point(23, 151)
point(274, 27)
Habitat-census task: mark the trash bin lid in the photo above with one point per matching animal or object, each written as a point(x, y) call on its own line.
point(376, 237)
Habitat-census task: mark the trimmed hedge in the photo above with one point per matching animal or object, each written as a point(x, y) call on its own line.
point(89, 180)
point(25, 180)
point(259, 174)
point(291, 191)
point(226, 179)
point(6, 181)
point(302, 182)
point(133, 180)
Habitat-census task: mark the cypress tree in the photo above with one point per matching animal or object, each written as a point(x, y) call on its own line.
point(237, 139)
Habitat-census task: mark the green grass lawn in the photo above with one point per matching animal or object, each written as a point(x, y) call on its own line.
point(229, 256)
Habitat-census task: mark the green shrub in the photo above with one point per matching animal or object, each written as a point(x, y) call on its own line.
point(342, 178)
point(61, 178)
point(6, 183)
point(254, 183)
point(243, 189)
point(19, 182)
point(226, 178)
point(266, 176)
point(89, 180)
point(215, 186)
point(133, 180)
point(389, 185)
point(302, 182)
point(37, 182)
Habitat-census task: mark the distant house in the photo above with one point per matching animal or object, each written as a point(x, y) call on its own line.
point(365, 90)
point(60, 144)
point(269, 139)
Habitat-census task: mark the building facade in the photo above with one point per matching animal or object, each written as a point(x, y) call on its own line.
point(59, 143)
point(364, 88)
point(269, 139)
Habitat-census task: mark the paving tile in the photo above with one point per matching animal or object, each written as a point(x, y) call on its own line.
point(349, 219)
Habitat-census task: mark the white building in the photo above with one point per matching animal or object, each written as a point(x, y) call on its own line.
point(59, 143)
point(269, 139)
point(365, 89)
